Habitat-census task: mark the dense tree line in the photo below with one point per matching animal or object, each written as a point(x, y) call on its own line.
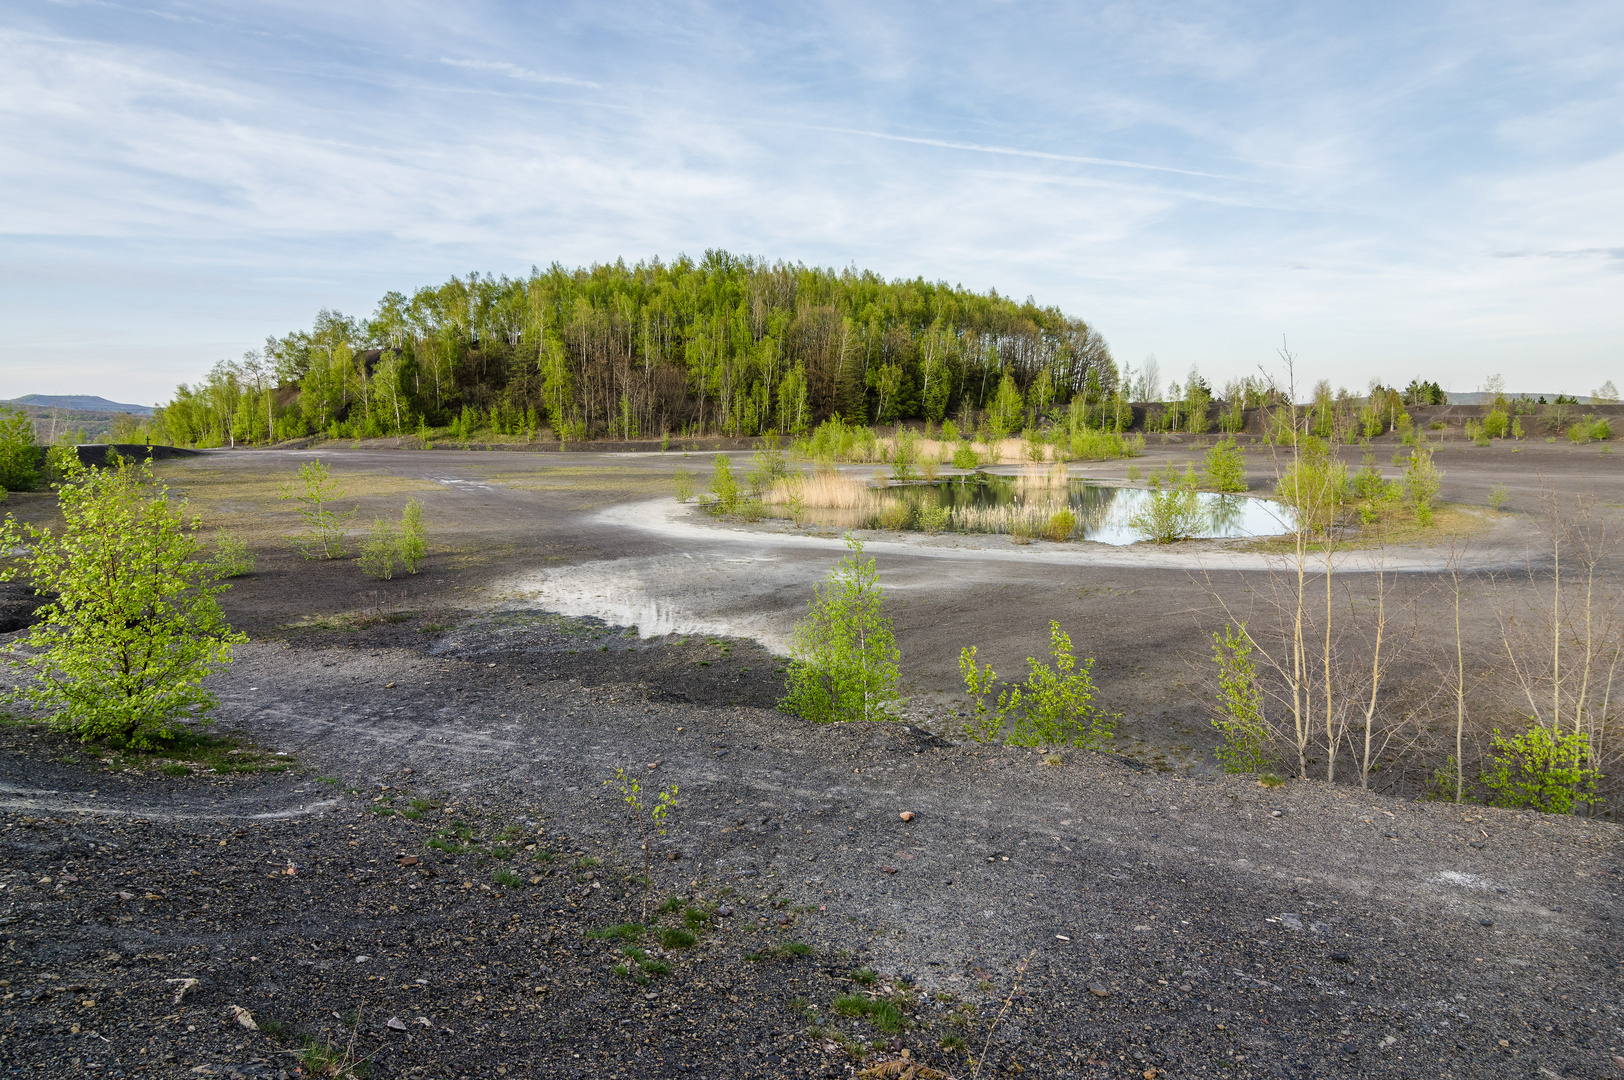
point(726, 345)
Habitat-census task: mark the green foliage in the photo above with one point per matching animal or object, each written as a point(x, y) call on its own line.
point(414, 546)
point(1060, 526)
point(1314, 487)
point(1497, 497)
point(1541, 769)
point(768, 466)
point(1496, 424)
point(323, 537)
point(964, 456)
point(381, 550)
point(231, 556)
point(19, 457)
point(1088, 444)
point(684, 483)
point(1053, 707)
point(1004, 415)
point(1247, 745)
point(134, 627)
point(1225, 466)
point(725, 492)
point(844, 654)
point(883, 1014)
point(649, 817)
point(1169, 515)
point(1422, 479)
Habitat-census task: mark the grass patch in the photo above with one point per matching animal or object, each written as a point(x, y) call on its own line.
point(883, 1014)
point(675, 938)
point(623, 931)
point(864, 977)
point(507, 878)
point(322, 1058)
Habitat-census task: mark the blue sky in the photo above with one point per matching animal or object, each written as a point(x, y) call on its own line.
point(1397, 189)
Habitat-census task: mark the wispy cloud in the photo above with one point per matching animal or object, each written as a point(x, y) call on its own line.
point(1403, 193)
point(514, 71)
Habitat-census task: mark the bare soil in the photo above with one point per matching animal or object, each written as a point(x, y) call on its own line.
point(1172, 922)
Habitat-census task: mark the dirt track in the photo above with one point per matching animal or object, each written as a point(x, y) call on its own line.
point(1303, 931)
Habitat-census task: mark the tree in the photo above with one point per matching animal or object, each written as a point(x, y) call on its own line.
point(1605, 394)
point(323, 537)
point(122, 649)
point(844, 653)
point(19, 457)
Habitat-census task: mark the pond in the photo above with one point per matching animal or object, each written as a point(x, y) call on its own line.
point(1025, 507)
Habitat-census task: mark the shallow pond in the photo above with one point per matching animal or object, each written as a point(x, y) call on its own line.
point(1028, 506)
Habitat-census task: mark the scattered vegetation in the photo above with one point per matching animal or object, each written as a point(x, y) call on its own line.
point(133, 627)
point(1053, 707)
point(844, 653)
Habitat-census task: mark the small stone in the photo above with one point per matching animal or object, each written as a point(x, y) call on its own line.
point(388, 686)
point(1277, 813)
point(1341, 958)
point(126, 896)
point(243, 1017)
point(395, 1023)
point(906, 815)
point(1485, 922)
point(888, 869)
point(1098, 991)
point(724, 911)
point(408, 860)
point(362, 959)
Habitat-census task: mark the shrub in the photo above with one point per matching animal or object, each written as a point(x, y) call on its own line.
point(1579, 432)
point(381, 550)
point(1422, 479)
point(1060, 526)
point(1225, 466)
point(934, 518)
point(1542, 769)
point(19, 457)
point(1314, 487)
point(895, 515)
point(768, 466)
point(1168, 516)
point(1600, 428)
point(964, 456)
point(231, 556)
point(1496, 424)
point(950, 432)
point(1090, 445)
point(323, 537)
point(414, 545)
point(1053, 707)
point(684, 485)
point(724, 488)
point(844, 654)
point(1247, 744)
point(134, 629)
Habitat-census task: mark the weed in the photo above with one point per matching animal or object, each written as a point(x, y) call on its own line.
point(696, 918)
point(883, 1014)
point(420, 805)
point(674, 938)
point(386, 811)
point(670, 904)
point(623, 931)
point(646, 815)
point(507, 878)
point(500, 852)
point(864, 977)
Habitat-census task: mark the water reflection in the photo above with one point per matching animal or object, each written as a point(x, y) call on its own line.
point(1034, 505)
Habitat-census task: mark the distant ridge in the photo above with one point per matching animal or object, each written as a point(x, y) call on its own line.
point(82, 402)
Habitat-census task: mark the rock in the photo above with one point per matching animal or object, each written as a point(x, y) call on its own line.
point(1098, 991)
point(243, 1017)
point(1341, 958)
point(407, 860)
point(126, 896)
point(724, 911)
point(906, 815)
point(183, 987)
point(888, 869)
point(395, 1023)
point(1485, 922)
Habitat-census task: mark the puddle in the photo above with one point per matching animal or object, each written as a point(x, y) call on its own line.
point(982, 503)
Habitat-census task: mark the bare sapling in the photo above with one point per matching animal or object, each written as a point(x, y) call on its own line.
point(649, 817)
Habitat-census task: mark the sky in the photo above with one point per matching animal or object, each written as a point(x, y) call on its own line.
point(1392, 190)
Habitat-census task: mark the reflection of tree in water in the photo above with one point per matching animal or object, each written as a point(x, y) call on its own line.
point(1093, 507)
point(1226, 515)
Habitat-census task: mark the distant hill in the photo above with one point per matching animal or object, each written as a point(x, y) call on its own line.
point(80, 403)
point(1479, 397)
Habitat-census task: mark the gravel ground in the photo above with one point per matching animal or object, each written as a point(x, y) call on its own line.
point(1167, 925)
